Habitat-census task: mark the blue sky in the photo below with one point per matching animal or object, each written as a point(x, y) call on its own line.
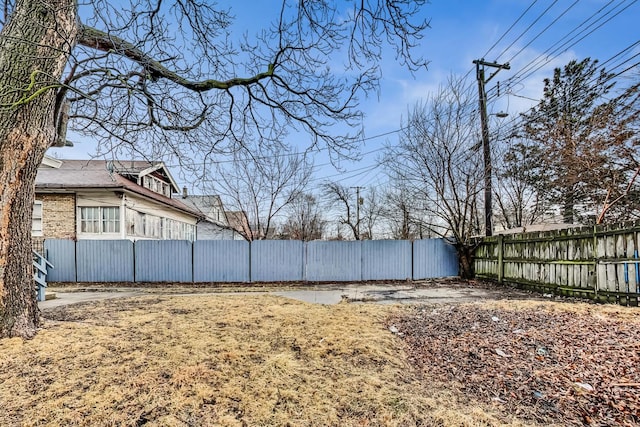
point(462, 31)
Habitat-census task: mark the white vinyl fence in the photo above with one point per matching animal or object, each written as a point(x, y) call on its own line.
point(229, 261)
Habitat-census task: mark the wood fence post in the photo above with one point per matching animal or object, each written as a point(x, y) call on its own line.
point(500, 258)
point(595, 262)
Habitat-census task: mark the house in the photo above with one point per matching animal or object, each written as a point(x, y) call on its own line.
point(101, 199)
point(239, 222)
point(214, 224)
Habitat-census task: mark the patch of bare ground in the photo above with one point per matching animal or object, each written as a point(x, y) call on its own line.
point(543, 362)
point(219, 360)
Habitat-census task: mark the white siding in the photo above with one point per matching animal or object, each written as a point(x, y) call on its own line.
point(146, 216)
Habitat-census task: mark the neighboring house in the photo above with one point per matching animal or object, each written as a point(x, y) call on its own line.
point(214, 224)
point(239, 222)
point(101, 199)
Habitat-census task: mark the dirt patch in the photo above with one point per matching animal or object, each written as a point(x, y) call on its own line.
point(383, 292)
point(567, 364)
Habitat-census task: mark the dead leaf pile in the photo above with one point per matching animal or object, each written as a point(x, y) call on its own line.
point(544, 363)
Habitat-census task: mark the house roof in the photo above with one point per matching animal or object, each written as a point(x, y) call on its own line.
point(238, 221)
point(73, 175)
point(208, 205)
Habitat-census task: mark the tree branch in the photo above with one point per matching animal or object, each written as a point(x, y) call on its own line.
point(99, 40)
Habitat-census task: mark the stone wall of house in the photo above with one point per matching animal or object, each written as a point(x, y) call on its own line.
point(58, 215)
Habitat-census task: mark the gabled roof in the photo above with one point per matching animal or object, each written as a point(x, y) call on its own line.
point(207, 205)
point(74, 175)
point(139, 168)
point(238, 221)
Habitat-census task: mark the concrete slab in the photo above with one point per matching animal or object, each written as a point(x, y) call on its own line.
point(66, 298)
point(386, 294)
point(399, 293)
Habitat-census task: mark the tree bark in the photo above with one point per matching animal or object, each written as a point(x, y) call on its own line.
point(35, 46)
point(465, 261)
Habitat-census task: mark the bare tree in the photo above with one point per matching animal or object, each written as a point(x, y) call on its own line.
point(401, 214)
point(522, 184)
point(343, 200)
point(170, 74)
point(372, 212)
point(587, 139)
point(305, 220)
point(617, 191)
point(437, 160)
point(360, 212)
point(261, 182)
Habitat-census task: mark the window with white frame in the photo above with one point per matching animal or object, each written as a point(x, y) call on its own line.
point(153, 228)
point(100, 220)
point(110, 220)
point(131, 222)
point(147, 225)
point(36, 223)
point(156, 185)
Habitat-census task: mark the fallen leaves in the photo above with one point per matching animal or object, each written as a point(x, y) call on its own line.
point(544, 363)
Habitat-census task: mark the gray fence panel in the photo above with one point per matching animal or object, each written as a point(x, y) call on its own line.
point(221, 261)
point(164, 261)
point(386, 260)
point(61, 253)
point(434, 258)
point(333, 261)
point(104, 260)
point(277, 261)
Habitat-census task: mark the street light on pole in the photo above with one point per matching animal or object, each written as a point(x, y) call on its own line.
point(486, 148)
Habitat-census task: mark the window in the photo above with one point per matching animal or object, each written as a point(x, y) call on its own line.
point(131, 222)
point(156, 185)
point(153, 227)
point(111, 220)
point(100, 220)
point(36, 223)
point(190, 233)
point(90, 220)
point(141, 224)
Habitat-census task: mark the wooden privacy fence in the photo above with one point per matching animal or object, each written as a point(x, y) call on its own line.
point(223, 261)
point(600, 262)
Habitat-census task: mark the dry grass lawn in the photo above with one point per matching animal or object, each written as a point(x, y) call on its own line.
point(222, 360)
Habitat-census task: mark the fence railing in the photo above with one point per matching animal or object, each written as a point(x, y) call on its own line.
point(227, 261)
point(40, 268)
point(599, 262)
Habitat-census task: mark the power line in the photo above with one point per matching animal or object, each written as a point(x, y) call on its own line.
point(612, 76)
point(547, 56)
point(297, 153)
point(553, 49)
point(527, 29)
point(543, 31)
point(510, 28)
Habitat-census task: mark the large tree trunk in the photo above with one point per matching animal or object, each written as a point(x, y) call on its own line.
point(34, 48)
point(466, 257)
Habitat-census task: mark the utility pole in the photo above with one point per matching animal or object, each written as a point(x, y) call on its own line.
point(486, 147)
point(358, 203)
